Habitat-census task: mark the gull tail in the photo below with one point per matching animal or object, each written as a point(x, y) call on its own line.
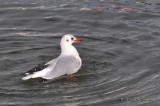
point(27, 77)
point(35, 72)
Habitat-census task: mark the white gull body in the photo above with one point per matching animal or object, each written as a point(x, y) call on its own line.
point(68, 62)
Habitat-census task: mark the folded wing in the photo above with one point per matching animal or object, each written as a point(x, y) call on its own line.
point(64, 65)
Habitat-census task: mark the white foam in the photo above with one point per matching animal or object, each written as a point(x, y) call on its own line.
point(38, 34)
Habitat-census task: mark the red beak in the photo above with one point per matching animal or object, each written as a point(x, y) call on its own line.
point(78, 40)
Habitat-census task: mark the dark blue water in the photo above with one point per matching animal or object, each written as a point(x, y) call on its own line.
point(120, 52)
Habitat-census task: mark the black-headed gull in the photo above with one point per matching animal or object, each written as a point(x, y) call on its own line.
point(68, 62)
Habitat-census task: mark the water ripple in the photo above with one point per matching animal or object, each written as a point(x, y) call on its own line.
point(120, 51)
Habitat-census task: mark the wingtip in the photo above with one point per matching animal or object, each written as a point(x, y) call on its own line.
point(26, 78)
point(26, 73)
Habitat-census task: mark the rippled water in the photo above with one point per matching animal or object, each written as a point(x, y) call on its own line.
point(120, 51)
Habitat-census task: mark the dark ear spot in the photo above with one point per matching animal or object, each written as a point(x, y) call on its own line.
point(67, 40)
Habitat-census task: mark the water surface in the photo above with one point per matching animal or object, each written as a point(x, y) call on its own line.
point(120, 52)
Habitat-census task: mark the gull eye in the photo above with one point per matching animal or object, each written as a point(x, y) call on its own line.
point(72, 38)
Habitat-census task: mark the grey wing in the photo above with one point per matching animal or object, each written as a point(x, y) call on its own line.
point(50, 62)
point(64, 65)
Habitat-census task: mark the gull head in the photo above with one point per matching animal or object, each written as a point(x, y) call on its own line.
point(69, 39)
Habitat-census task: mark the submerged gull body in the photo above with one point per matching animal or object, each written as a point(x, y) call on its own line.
point(68, 62)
